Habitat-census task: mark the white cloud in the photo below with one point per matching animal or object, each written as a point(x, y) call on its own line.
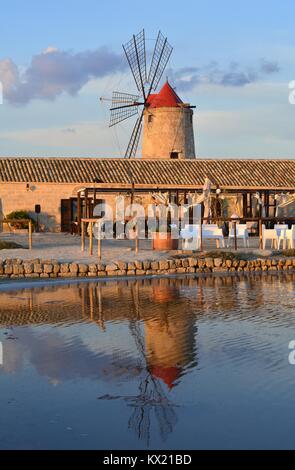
point(50, 49)
point(53, 72)
point(234, 75)
point(9, 74)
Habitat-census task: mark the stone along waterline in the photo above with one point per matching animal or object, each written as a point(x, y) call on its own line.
point(38, 268)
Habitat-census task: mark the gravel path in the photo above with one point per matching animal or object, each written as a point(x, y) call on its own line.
point(66, 247)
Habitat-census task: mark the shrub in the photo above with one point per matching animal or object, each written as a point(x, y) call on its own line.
point(4, 245)
point(289, 252)
point(20, 215)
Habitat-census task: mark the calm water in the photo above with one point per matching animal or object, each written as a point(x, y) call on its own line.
point(170, 363)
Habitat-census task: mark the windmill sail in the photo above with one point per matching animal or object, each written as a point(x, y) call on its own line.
point(133, 142)
point(136, 56)
point(126, 105)
point(160, 58)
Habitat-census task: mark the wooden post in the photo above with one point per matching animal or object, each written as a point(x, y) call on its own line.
point(82, 236)
point(201, 234)
point(94, 200)
point(245, 204)
point(99, 247)
point(86, 204)
point(79, 214)
point(30, 235)
point(260, 232)
point(235, 235)
point(267, 203)
point(90, 238)
point(136, 244)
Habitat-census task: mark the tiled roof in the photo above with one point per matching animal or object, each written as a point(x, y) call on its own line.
point(228, 173)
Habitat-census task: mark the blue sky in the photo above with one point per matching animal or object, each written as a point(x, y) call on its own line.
point(232, 59)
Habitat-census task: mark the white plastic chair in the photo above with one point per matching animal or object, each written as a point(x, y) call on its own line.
point(241, 233)
point(269, 234)
point(281, 233)
point(213, 232)
point(190, 235)
point(290, 237)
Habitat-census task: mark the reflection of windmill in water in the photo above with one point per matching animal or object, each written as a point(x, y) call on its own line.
point(156, 369)
point(151, 396)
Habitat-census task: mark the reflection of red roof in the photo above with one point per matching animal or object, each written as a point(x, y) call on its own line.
point(166, 97)
point(167, 374)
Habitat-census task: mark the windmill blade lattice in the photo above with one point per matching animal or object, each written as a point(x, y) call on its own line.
point(160, 58)
point(124, 105)
point(136, 56)
point(133, 142)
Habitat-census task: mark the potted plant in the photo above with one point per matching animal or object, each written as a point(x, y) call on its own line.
point(162, 235)
point(162, 238)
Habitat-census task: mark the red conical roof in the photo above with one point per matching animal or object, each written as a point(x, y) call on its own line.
point(166, 97)
point(168, 374)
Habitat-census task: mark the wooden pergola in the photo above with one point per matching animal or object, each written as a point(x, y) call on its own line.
point(88, 197)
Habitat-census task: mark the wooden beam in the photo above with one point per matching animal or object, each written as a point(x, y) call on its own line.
point(99, 248)
point(91, 238)
point(79, 214)
point(30, 235)
point(82, 235)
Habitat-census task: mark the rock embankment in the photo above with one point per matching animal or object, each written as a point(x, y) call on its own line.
point(38, 268)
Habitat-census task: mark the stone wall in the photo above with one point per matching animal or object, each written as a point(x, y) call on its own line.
point(37, 268)
point(14, 196)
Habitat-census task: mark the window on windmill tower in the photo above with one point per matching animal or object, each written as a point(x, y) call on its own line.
point(174, 155)
point(150, 118)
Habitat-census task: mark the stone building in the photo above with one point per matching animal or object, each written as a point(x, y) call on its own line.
point(55, 183)
point(67, 189)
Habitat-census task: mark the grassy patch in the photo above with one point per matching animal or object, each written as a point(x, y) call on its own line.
point(290, 252)
point(9, 245)
point(224, 255)
point(228, 255)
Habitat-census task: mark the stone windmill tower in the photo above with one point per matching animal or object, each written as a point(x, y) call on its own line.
point(167, 126)
point(167, 122)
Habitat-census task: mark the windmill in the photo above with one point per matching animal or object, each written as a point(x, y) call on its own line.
point(125, 105)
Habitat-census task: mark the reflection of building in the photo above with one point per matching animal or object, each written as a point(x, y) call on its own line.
point(150, 342)
point(158, 304)
point(168, 340)
point(160, 342)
